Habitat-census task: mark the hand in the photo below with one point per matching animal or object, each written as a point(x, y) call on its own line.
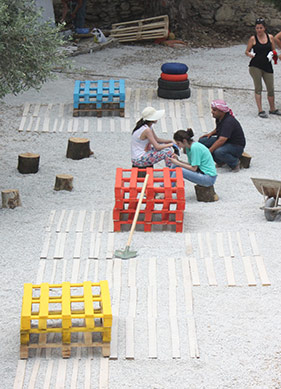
point(204, 136)
point(174, 160)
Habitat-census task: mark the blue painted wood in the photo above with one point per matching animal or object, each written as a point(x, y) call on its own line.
point(87, 91)
point(76, 94)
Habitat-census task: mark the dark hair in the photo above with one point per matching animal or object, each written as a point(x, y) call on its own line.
point(260, 21)
point(180, 135)
point(141, 123)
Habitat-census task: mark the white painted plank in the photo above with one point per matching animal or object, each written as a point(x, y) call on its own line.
point(132, 272)
point(74, 375)
point(112, 125)
point(48, 374)
point(26, 109)
point(64, 264)
point(60, 221)
point(262, 271)
point(40, 272)
point(203, 125)
point(86, 271)
point(55, 125)
point(36, 128)
point(174, 124)
point(164, 125)
point(20, 373)
point(99, 124)
point(75, 270)
point(92, 222)
point(229, 271)
point(249, 271)
point(48, 110)
point(45, 248)
point(110, 246)
point(81, 221)
point(69, 220)
point(152, 301)
point(194, 271)
point(46, 124)
point(201, 251)
point(254, 244)
point(96, 273)
point(22, 123)
point(87, 377)
point(61, 125)
point(199, 103)
point(152, 271)
point(128, 94)
point(210, 271)
point(188, 244)
point(193, 345)
point(172, 272)
point(220, 93)
point(35, 369)
point(75, 125)
point(92, 245)
point(97, 246)
point(175, 341)
point(127, 125)
point(104, 373)
point(187, 285)
point(114, 338)
point(152, 338)
point(109, 275)
point(209, 244)
point(230, 244)
point(61, 109)
point(101, 221)
point(132, 301)
point(53, 275)
point(28, 128)
point(130, 334)
point(239, 243)
point(188, 114)
point(61, 373)
point(78, 245)
point(172, 301)
point(220, 244)
point(36, 110)
point(86, 125)
point(60, 245)
point(110, 222)
point(70, 125)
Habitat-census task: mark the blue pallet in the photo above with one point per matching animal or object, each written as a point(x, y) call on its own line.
point(99, 92)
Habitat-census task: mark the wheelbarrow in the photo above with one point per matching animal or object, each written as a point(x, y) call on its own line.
point(271, 191)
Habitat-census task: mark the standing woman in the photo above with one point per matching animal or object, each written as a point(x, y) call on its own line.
point(146, 148)
point(260, 66)
point(200, 168)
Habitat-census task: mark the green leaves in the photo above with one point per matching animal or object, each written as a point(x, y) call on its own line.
point(29, 47)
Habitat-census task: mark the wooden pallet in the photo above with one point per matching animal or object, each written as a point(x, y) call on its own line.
point(92, 110)
point(143, 29)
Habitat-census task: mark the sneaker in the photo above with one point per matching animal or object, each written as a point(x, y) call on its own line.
point(276, 112)
point(263, 115)
point(236, 168)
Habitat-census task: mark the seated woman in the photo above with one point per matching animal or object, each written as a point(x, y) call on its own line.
point(200, 168)
point(146, 148)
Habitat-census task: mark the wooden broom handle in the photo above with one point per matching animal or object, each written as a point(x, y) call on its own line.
point(137, 210)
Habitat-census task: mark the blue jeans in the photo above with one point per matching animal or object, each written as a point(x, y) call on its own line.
point(195, 177)
point(228, 153)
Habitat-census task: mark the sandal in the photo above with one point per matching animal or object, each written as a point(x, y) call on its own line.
point(263, 115)
point(276, 112)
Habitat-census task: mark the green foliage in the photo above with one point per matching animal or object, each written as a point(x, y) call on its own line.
point(29, 47)
point(276, 3)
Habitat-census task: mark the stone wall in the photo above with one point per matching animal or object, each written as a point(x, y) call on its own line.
point(235, 14)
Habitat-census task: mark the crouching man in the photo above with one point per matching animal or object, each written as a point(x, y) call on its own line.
point(227, 141)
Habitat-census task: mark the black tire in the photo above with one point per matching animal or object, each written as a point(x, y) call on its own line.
point(270, 215)
point(174, 85)
point(173, 94)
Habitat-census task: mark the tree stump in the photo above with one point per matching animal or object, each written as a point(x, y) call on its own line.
point(245, 160)
point(206, 194)
point(142, 173)
point(10, 198)
point(28, 163)
point(63, 182)
point(78, 148)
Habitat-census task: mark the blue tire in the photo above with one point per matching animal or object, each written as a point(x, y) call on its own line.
point(174, 68)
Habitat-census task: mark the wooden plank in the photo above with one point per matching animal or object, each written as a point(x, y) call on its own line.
point(78, 245)
point(230, 244)
point(22, 123)
point(193, 345)
point(75, 369)
point(45, 248)
point(46, 124)
point(92, 245)
point(99, 124)
point(262, 271)
point(40, 272)
point(110, 222)
point(70, 125)
point(87, 377)
point(175, 341)
point(61, 125)
point(194, 271)
point(101, 222)
point(112, 124)
point(209, 244)
point(172, 272)
point(188, 114)
point(53, 275)
point(97, 245)
point(48, 374)
point(187, 285)
point(201, 251)
point(61, 109)
point(60, 221)
point(152, 272)
point(104, 373)
point(254, 244)
point(130, 334)
point(132, 272)
point(36, 110)
point(20, 373)
point(60, 245)
point(81, 221)
point(239, 243)
point(69, 220)
point(35, 369)
point(249, 271)
point(92, 222)
point(110, 246)
point(75, 270)
point(86, 125)
point(220, 244)
point(152, 338)
point(28, 129)
point(26, 109)
point(210, 271)
point(36, 128)
point(229, 271)
point(188, 244)
point(61, 374)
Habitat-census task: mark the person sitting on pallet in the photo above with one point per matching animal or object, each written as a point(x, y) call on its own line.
point(227, 141)
point(200, 168)
point(146, 148)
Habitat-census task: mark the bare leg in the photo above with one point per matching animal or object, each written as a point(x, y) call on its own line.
point(258, 101)
point(271, 103)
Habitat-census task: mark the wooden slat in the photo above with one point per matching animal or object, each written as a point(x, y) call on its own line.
point(210, 271)
point(262, 271)
point(249, 271)
point(229, 271)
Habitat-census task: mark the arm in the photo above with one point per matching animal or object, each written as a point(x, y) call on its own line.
point(64, 10)
point(78, 6)
point(160, 140)
point(272, 42)
point(277, 39)
point(185, 165)
point(218, 143)
point(250, 45)
point(209, 134)
point(150, 135)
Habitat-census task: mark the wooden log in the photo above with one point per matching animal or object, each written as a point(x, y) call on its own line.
point(10, 198)
point(245, 160)
point(63, 182)
point(142, 173)
point(78, 148)
point(28, 163)
point(206, 194)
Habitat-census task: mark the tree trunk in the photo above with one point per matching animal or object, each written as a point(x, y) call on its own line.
point(28, 163)
point(78, 148)
point(245, 160)
point(63, 182)
point(206, 194)
point(10, 198)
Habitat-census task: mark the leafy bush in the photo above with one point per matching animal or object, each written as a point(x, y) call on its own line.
point(29, 47)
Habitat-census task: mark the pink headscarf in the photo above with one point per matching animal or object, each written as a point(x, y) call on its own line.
point(221, 106)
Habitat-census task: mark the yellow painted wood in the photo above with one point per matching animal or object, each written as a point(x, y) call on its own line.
point(44, 306)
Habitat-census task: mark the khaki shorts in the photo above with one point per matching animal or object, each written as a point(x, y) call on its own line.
point(257, 75)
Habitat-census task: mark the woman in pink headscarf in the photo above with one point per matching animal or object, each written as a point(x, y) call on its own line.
point(227, 141)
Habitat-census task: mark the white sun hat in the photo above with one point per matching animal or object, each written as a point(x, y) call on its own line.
point(150, 114)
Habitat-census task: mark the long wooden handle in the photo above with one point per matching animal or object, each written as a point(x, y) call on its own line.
point(137, 210)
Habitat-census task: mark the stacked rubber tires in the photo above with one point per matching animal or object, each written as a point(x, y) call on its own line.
point(173, 82)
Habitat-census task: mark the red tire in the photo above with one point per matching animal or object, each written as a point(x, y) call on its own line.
point(174, 77)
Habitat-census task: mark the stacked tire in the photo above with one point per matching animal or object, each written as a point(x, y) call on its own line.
point(173, 82)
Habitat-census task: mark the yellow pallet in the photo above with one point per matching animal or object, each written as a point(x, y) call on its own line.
point(65, 309)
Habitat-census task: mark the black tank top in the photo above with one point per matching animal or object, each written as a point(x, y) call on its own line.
point(260, 60)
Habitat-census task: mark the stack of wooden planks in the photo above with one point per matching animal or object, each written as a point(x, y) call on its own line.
point(144, 29)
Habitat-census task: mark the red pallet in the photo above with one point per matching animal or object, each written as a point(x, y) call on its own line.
point(127, 191)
